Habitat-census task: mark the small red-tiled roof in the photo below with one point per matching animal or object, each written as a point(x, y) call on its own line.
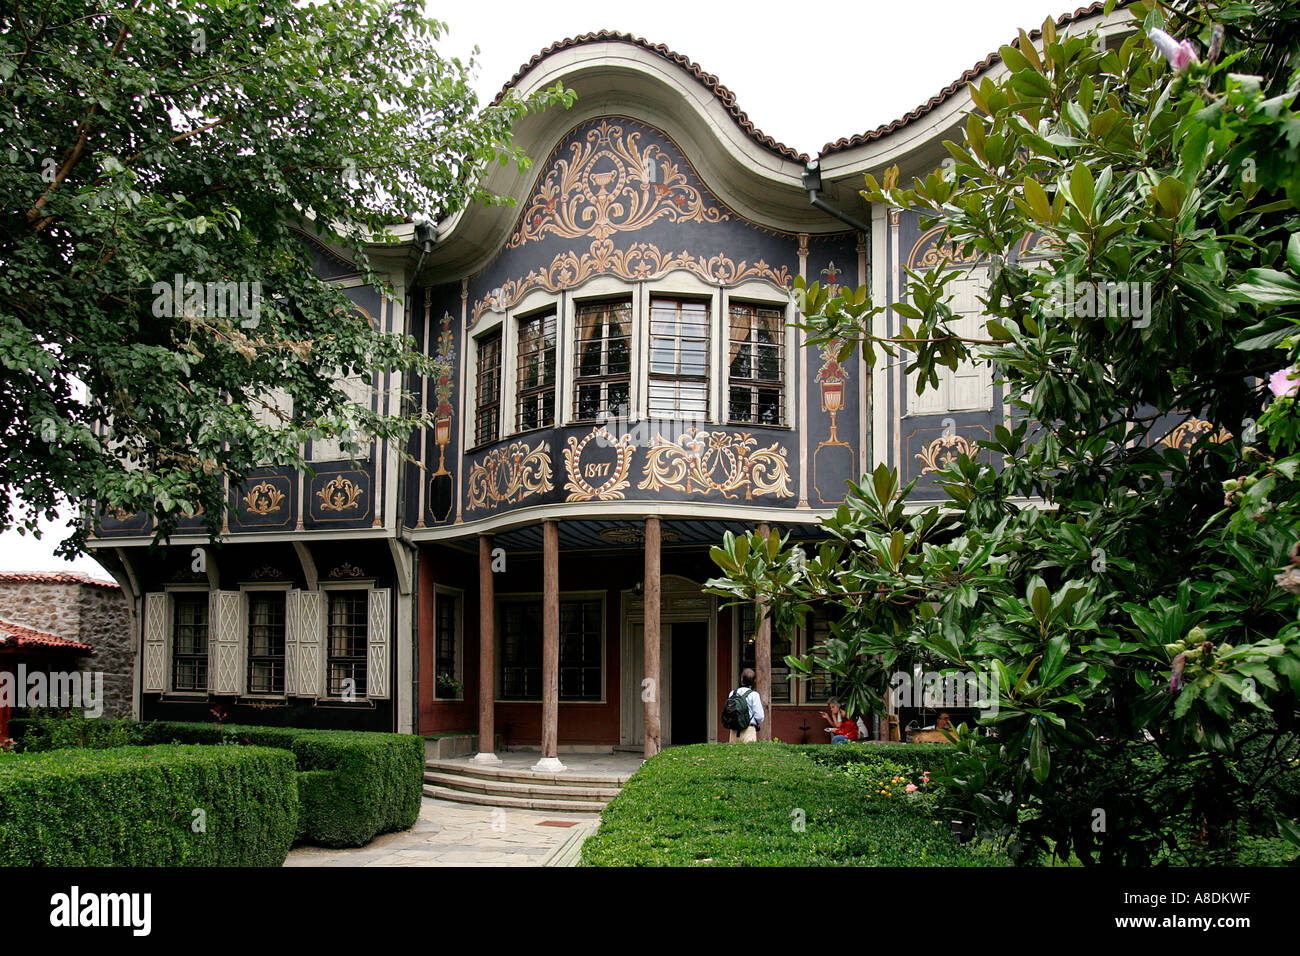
point(948, 91)
point(53, 577)
point(724, 95)
point(15, 635)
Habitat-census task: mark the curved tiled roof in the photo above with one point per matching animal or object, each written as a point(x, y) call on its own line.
point(53, 577)
point(881, 131)
point(711, 82)
point(15, 635)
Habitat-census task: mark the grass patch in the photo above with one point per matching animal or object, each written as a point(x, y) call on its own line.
point(741, 805)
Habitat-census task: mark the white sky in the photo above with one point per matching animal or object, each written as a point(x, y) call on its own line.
point(806, 73)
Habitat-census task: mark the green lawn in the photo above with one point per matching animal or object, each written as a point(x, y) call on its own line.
point(742, 805)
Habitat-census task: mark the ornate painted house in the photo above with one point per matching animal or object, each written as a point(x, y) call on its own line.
point(620, 382)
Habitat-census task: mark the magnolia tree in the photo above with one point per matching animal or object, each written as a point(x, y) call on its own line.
point(157, 152)
point(1133, 601)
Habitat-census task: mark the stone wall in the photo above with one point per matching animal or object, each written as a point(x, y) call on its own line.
point(79, 608)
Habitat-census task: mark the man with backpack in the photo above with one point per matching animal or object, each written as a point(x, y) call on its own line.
point(743, 711)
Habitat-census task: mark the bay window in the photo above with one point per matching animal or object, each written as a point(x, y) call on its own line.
point(756, 369)
point(602, 360)
point(679, 360)
point(536, 372)
point(487, 408)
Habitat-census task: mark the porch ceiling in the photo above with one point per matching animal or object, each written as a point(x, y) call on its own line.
point(587, 534)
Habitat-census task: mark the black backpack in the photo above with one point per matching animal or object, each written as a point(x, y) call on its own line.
point(735, 713)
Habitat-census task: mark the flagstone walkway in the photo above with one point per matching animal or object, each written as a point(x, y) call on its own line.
point(453, 834)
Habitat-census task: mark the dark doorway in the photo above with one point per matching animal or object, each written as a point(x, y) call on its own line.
point(690, 682)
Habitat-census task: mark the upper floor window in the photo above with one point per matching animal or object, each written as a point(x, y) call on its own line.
point(602, 369)
point(756, 377)
point(190, 642)
point(536, 384)
point(679, 359)
point(487, 424)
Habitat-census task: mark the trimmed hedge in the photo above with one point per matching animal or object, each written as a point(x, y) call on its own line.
point(928, 756)
point(134, 806)
point(352, 785)
point(739, 805)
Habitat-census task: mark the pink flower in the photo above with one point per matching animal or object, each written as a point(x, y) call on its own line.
point(911, 788)
point(1281, 383)
point(1180, 55)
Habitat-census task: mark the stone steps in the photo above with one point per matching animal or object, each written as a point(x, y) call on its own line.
point(569, 853)
point(520, 788)
point(514, 803)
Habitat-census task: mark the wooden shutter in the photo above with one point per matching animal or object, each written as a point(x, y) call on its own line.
point(310, 665)
point(225, 644)
point(155, 643)
point(379, 640)
point(291, 642)
point(972, 382)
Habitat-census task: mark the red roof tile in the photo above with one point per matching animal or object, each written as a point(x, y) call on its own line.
point(53, 577)
point(724, 95)
point(15, 635)
point(983, 65)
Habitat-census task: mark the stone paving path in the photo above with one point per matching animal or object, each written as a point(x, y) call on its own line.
point(454, 834)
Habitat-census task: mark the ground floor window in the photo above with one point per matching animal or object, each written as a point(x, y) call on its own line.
point(446, 667)
point(347, 641)
point(190, 642)
point(781, 646)
point(581, 635)
point(266, 643)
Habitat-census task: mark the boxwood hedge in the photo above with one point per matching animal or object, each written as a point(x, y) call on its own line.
point(768, 805)
point(928, 756)
point(148, 806)
point(352, 785)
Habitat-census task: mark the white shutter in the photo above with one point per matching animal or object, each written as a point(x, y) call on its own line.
point(224, 643)
point(310, 666)
point(378, 637)
point(972, 382)
point(155, 643)
point(291, 642)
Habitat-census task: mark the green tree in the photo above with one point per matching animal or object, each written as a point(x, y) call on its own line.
point(1146, 659)
point(155, 138)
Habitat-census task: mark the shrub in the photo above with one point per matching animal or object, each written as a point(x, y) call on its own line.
point(916, 757)
point(134, 806)
point(45, 731)
point(721, 805)
point(353, 785)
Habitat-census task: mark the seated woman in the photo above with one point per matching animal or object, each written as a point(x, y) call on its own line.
point(842, 729)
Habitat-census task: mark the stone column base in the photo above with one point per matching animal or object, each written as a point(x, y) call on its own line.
point(487, 757)
point(549, 765)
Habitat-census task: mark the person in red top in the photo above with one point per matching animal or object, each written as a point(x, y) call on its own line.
point(842, 729)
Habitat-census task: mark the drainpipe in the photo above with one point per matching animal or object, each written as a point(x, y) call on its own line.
point(812, 182)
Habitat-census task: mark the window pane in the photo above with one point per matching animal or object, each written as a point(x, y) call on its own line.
point(488, 406)
point(603, 359)
point(266, 643)
point(756, 365)
point(346, 643)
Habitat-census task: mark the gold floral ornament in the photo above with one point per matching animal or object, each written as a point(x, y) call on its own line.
point(717, 462)
point(1186, 435)
point(929, 251)
point(641, 260)
point(509, 474)
point(339, 494)
point(611, 183)
point(263, 498)
point(614, 472)
point(944, 450)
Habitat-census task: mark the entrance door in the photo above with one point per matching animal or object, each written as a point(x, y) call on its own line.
point(688, 683)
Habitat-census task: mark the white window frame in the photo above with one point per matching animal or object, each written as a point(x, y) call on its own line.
point(246, 592)
point(967, 323)
point(169, 680)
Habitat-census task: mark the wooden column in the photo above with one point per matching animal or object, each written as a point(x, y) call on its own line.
point(650, 693)
point(763, 659)
point(486, 654)
point(550, 647)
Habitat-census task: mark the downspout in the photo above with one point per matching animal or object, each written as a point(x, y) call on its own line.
point(812, 182)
